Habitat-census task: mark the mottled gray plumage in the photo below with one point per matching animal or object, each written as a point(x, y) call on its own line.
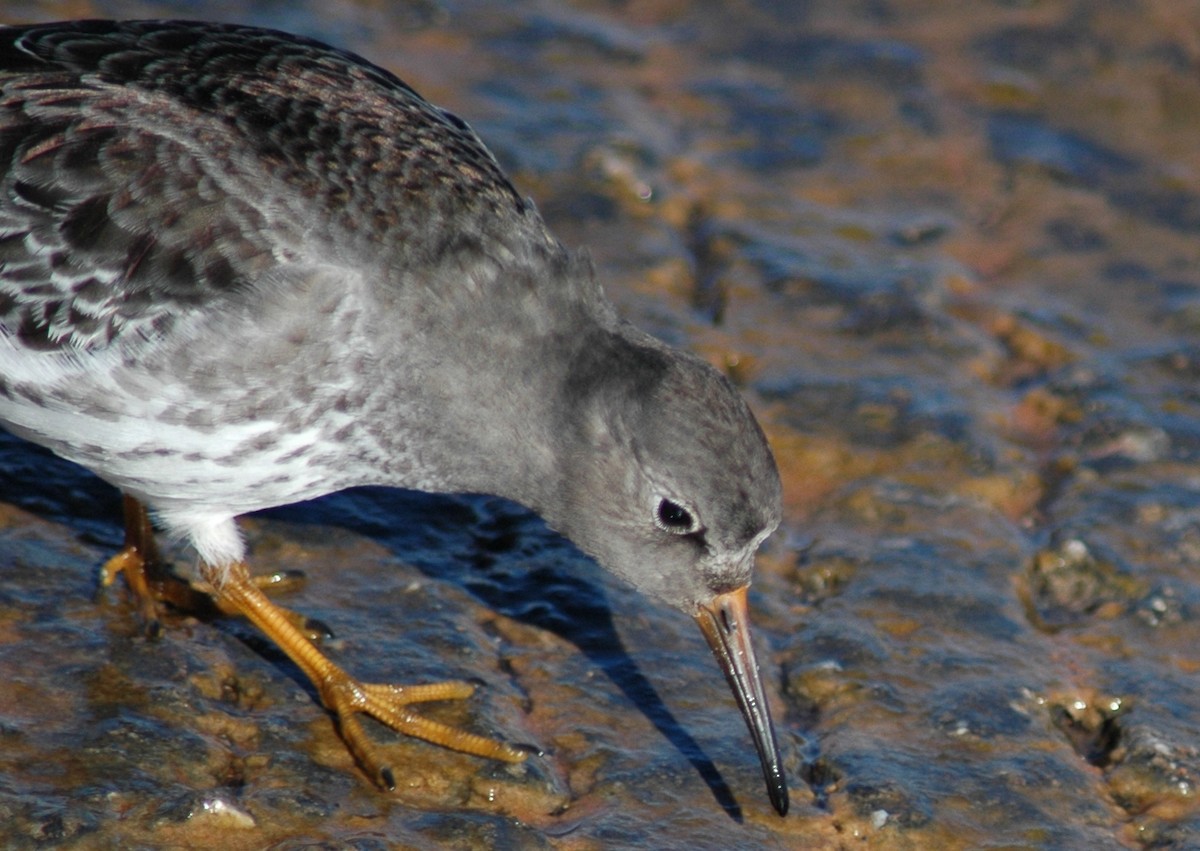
point(240, 269)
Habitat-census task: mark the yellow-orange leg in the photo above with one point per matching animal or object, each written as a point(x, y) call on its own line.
point(153, 583)
point(143, 569)
point(346, 697)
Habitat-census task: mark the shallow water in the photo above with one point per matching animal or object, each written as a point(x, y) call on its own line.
point(949, 252)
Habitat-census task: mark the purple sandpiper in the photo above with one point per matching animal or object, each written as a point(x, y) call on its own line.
point(239, 269)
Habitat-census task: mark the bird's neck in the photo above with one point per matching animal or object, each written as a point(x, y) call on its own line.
point(481, 399)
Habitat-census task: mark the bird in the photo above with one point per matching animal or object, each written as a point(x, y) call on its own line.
point(241, 268)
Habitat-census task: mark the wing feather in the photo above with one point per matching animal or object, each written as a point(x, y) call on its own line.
point(152, 168)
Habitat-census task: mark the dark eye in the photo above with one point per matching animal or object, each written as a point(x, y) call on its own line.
point(674, 517)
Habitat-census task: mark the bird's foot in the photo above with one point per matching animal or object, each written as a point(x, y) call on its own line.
point(153, 583)
point(132, 565)
point(347, 698)
point(389, 704)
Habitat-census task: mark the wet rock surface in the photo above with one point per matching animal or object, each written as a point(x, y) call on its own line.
point(950, 253)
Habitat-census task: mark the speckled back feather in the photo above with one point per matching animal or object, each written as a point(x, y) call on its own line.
point(152, 167)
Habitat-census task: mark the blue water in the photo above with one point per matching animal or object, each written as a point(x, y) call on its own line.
point(949, 254)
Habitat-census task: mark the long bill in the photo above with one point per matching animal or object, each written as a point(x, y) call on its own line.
point(726, 625)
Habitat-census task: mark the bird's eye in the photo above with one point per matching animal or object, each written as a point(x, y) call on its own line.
point(674, 517)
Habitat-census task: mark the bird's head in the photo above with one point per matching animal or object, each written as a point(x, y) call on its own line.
point(670, 484)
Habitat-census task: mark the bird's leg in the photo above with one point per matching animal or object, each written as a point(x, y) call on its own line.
point(345, 696)
point(148, 578)
point(152, 583)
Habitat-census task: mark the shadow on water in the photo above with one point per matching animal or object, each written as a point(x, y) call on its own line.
point(578, 612)
point(481, 543)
